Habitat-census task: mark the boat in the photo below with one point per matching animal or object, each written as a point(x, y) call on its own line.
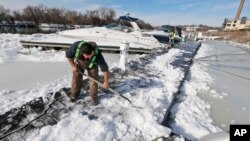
point(174, 29)
point(162, 34)
point(115, 33)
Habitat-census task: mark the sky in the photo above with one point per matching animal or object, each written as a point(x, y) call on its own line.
point(155, 12)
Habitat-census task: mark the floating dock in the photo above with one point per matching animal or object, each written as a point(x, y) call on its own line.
point(64, 46)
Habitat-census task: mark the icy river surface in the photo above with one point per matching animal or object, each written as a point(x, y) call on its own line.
point(230, 91)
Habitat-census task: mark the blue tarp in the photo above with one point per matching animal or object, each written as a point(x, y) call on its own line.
point(127, 18)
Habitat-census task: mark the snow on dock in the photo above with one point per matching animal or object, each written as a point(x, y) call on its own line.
point(149, 82)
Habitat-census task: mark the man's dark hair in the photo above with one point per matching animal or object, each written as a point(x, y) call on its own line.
point(87, 48)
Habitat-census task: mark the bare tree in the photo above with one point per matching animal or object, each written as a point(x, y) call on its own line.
point(144, 25)
point(33, 13)
point(110, 15)
point(4, 13)
point(17, 15)
point(106, 15)
point(85, 19)
point(46, 17)
point(41, 13)
point(71, 17)
point(93, 16)
point(57, 15)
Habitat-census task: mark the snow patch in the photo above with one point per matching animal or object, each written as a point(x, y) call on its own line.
point(192, 112)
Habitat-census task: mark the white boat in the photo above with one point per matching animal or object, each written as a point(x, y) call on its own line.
point(162, 35)
point(115, 33)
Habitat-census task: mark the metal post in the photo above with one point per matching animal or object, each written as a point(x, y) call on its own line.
point(195, 37)
point(124, 47)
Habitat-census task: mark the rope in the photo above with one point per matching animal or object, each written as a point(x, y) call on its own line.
point(216, 55)
point(225, 54)
point(22, 127)
point(220, 60)
point(235, 67)
point(213, 67)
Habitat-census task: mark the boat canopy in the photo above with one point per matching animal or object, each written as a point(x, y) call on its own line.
point(128, 18)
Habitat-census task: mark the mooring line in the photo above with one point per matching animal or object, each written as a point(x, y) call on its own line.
point(213, 67)
point(222, 54)
point(222, 60)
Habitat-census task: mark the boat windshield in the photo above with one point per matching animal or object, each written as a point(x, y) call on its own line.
point(123, 28)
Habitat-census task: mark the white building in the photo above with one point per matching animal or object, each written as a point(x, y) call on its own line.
point(237, 23)
point(232, 24)
point(191, 28)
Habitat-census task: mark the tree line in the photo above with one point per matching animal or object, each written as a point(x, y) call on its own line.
point(43, 14)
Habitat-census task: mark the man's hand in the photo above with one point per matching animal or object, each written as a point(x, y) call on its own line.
point(72, 64)
point(74, 68)
point(105, 85)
